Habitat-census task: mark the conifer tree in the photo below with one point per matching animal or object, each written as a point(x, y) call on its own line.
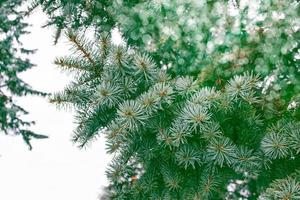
point(174, 138)
point(12, 62)
point(204, 96)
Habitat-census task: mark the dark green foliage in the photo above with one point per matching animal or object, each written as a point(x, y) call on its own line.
point(12, 62)
point(287, 188)
point(233, 120)
point(78, 14)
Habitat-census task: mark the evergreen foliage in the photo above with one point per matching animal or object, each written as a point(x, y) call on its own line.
point(13, 62)
point(205, 95)
point(173, 138)
point(190, 35)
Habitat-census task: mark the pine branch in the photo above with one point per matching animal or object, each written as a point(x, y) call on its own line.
point(81, 46)
point(221, 151)
point(275, 146)
point(90, 124)
point(71, 64)
point(188, 157)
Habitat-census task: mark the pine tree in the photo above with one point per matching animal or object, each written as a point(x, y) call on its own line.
point(173, 138)
point(205, 95)
point(12, 62)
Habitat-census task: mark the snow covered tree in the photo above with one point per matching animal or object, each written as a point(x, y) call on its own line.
point(201, 103)
point(13, 62)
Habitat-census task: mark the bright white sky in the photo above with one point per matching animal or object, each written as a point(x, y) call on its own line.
point(55, 169)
